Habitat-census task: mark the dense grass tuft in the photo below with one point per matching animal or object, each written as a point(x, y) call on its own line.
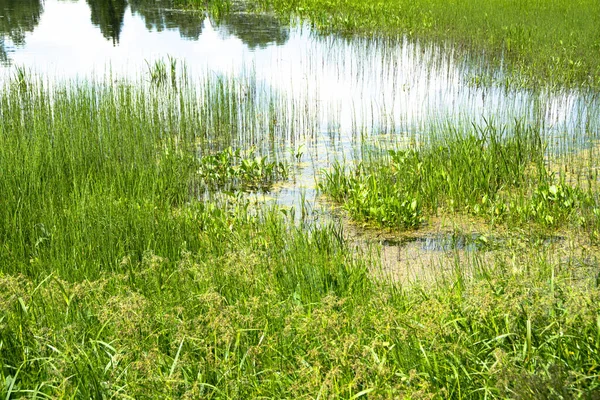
point(453, 170)
point(91, 173)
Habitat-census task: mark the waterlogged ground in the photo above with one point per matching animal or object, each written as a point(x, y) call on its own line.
point(343, 97)
point(224, 206)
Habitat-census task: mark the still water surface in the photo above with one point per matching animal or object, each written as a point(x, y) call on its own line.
point(385, 89)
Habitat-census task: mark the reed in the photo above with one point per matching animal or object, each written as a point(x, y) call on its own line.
point(92, 172)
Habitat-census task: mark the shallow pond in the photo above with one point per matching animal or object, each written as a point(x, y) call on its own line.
point(362, 84)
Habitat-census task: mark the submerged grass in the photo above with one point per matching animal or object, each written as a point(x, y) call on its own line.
point(118, 280)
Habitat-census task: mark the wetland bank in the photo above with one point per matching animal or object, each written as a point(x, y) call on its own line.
point(224, 204)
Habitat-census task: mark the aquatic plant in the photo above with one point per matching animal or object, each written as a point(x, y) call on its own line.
point(236, 170)
point(453, 169)
point(118, 280)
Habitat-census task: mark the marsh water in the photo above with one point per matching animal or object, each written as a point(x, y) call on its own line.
point(342, 94)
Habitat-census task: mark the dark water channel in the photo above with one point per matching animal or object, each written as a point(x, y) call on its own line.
point(385, 91)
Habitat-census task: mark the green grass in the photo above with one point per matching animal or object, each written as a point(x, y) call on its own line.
point(217, 8)
point(535, 43)
point(497, 174)
point(119, 278)
point(265, 312)
point(463, 169)
point(94, 172)
point(539, 42)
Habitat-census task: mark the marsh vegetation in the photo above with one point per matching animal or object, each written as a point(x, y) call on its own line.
point(454, 252)
point(537, 42)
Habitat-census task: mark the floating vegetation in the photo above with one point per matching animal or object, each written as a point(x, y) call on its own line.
point(236, 170)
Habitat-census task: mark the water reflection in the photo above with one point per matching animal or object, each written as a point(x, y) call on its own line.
point(256, 31)
point(17, 17)
point(159, 16)
point(108, 15)
point(330, 91)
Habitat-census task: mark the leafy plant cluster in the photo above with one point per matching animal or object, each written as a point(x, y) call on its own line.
point(455, 170)
point(497, 174)
point(234, 169)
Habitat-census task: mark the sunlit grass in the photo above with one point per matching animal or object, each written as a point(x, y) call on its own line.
point(92, 172)
point(464, 168)
point(499, 174)
point(119, 278)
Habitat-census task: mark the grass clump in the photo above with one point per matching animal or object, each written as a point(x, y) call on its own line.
point(500, 176)
point(94, 172)
point(215, 7)
point(454, 170)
